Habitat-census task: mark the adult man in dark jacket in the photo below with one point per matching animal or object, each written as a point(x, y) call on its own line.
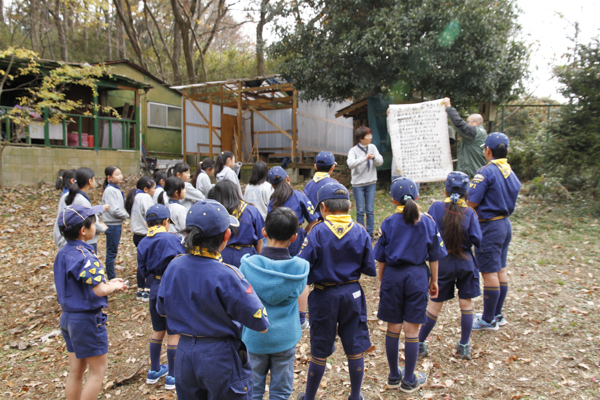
point(473, 134)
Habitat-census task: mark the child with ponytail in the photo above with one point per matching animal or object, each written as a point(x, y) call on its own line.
point(201, 178)
point(137, 202)
point(182, 171)
point(172, 197)
point(408, 239)
point(160, 177)
point(62, 183)
point(114, 197)
point(460, 230)
point(227, 169)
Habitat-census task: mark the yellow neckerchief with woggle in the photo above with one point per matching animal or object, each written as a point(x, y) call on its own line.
point(238, 211)
point(153, 230)
point(460, 202)
point(320, 175)
point(399, 210)
point(203, 252)
point(503, 166)
point(339, 224)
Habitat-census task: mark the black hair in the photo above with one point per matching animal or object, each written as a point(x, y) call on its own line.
point(260, 173)
point(282, 192)
point(82, 177)
point(108, 171)
point(323, 168)
point(411, 213)
point(195, 238)
point(207, 163)
point(501, 151)
point(145, 182)
point(64, 180)
point(360, 133)
point(226, 193)
point(337, 204)
point(281, 224)
point(73, 232)
point(453, 232)
point(222, 160)
point(156, 222)
point(172, 185)
point(160, 175)
point(178, 168)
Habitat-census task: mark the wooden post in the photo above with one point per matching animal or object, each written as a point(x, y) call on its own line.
point(210, 126)
point(184, 98)
point(252, 133)
point(239, 119)
point(95, 121)
point(294, 126)
point(46, 127)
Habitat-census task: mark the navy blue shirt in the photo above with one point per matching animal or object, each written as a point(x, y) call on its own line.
point(470, 224)
point(312, 188)
point(406, 244)
point(495, 193)
point(202, 296)
point(338, 252)
point(275, 253)
point(301, 205)
point(251, 225)
point(76, 271)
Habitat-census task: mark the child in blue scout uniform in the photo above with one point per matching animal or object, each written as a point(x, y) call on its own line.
point(248, 239)
point(493, 194)
point(207, 302)
point(278, 280)
point(460, 231)
point(82, 288)
point(285, 196)
point(408, 239)
point(324, 165)
point(339, 251)
point(154, 253)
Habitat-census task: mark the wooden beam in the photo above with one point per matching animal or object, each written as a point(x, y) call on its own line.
point(184, 129)
point(270, 122)
point(279, 87)
point(239, 121)
point(294, 125)
point(206, 120)
point(210, 127)
point(266, 132)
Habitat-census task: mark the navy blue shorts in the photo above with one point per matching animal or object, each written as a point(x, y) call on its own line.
point(491, 256)
point(342, 309)
point(159, 323)
point(85, 333)
point(212, 368)
point(404, 294)
point(460, 273)
point(233, 256)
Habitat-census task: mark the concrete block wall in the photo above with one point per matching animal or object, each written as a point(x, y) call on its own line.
point(32, 165)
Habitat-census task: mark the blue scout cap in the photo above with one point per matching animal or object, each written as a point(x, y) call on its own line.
point(495, 138)
point(457, 182)
point(158, 212)
point(402, 187)
point(75, 214)
point(328, 190)
point(210, 216)
point(276, 175)
point(325, 158)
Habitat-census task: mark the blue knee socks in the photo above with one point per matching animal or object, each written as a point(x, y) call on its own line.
point(356, 367)
point(466, 325)
point(503, 292)
point(155, 348)
point(427, 327)
point(171, 352)
point(392, 346)
point(490, 301)
point(302, 317)
point(411, 352)
point(316, 369)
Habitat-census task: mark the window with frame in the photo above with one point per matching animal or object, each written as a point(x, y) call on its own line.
point(164, 116)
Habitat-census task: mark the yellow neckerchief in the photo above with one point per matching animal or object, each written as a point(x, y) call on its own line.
point(503, 166)
point(238, 211)
point(399, 209)
point(339, 224)
point(461, 202)
point(320, 175)
point(153, 230)
point(203, 252)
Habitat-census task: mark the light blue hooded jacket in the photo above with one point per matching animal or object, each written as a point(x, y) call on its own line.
point(278, 284)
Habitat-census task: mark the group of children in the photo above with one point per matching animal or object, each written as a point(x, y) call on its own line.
point(229, 282)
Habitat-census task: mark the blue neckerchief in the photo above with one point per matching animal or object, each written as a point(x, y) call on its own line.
point(171, 201)
point(365, 150)
point(138, 191)
point(158, 186)
point(64, 191)
point(117, 187)
point(84, 194)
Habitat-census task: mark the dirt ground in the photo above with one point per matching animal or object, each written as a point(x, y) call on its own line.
point(549, 350)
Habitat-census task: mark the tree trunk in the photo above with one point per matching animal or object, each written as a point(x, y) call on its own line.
point(260, 43)
point(184, 29)
point(60, 30)
point(1, 12)
point(120, 34)
point(108, 32)
point(129, 26)
point(177, 78)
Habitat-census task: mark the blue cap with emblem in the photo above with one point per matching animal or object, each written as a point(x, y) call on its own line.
point(333, 190)
point(210, 216)
point(75, 214)
point(457, 182)
point(158, 212)
point(325, 158)
point(404, 188)
point(276, 175)
point(495, 138)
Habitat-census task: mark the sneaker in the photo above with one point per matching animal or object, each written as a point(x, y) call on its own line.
point(305, 325)
point(499, 318)
point(170, 382)
point(480, 325)
point(146, 296)
point(300, 396)
point(420, 379)
point(423, 352)
point(395, 382)
point(154, 376)
point(139, 295)
point(464, 350)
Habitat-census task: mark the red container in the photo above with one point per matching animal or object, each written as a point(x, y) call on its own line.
point(90, 140)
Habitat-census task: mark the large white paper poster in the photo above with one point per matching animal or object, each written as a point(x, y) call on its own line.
point(419, 134)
